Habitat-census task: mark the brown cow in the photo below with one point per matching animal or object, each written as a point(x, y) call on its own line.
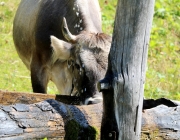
point(49, 50)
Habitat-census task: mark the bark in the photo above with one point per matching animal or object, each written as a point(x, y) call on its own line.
point(126, 70)
point(54, 119)
point(9, 97)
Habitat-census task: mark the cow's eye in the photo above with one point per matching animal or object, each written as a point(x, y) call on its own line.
point(70, 62)
point(77, 66)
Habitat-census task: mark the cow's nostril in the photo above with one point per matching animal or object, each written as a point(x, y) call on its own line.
point(90, 102)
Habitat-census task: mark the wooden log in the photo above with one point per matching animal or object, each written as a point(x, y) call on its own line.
point(161, 123)
point(9, 98)
point(50, 119)
point(53, 119)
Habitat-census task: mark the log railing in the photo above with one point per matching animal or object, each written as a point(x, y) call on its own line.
point(35, 116)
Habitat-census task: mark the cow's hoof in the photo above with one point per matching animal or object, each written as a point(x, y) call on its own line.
point(93, 100)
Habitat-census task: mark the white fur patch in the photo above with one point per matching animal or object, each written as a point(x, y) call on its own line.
point(77, 13)
point(61, 48)
point(76, 26)
point(95, 100)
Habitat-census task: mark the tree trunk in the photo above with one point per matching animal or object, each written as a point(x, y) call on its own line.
point(124, 81)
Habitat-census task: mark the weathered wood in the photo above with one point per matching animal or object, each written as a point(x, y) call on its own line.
point(126, 70)
point(12, 97)
point(161, 123)
point(53, 119)
point(49, 119)
point(9, 98)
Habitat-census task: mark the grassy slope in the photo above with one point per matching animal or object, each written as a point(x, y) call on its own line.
point(163, 75)
point(13, 74)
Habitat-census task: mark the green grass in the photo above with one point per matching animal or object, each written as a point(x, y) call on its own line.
point(13, 74)
point(163, 74)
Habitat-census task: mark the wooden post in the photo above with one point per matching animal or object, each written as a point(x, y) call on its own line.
point(123, 85)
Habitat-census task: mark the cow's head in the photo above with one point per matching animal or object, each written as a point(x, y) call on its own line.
point(87, 55)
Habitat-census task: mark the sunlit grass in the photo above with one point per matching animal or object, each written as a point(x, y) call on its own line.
point(163, 73)
point(13, 74)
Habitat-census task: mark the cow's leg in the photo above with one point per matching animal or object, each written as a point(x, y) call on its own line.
point(39, 76)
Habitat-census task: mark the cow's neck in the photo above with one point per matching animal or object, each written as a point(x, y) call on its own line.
point(91, 15)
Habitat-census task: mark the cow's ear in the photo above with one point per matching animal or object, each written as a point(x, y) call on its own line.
point(62, 49)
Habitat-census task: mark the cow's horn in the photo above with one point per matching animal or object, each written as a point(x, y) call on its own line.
point(67, 34)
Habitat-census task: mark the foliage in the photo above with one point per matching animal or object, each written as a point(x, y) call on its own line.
point(163, 73)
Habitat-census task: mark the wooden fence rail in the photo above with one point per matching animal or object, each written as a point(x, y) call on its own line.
point(35, 116)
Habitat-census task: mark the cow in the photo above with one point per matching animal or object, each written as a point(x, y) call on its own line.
point(62, 41)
